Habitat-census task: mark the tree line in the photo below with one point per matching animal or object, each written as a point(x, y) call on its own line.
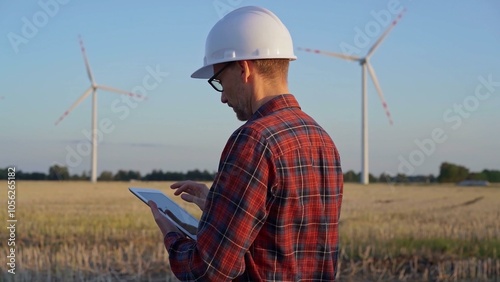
point(61, 173)
point(448, 173)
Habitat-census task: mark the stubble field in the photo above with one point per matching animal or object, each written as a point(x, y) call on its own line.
point(78, 231)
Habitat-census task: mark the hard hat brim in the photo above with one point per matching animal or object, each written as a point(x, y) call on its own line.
point(204, 72)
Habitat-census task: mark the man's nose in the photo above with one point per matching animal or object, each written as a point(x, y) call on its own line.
point(223, 98)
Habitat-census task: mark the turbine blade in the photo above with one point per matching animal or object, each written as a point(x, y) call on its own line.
point(85, 95)
point(379, 91)
point(87, 65)
point(386, 32)
point(331, 54)
point(119, 91)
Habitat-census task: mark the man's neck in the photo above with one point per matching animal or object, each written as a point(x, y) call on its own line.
point(267, 92)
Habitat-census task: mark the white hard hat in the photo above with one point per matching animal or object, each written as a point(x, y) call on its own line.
point(247, 33)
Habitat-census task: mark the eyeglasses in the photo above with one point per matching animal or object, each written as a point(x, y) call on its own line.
point(215, 82)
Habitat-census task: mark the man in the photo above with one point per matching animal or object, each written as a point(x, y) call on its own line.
point(273, 210)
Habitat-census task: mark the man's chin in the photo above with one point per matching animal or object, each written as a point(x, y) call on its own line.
point(241, 117)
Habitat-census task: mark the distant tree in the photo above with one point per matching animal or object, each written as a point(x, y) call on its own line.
point(155, 175)
point(351, 176)
point(133, 175)
point(198, 175)
point(149, 176)
point(123, 175)
point(385, 178)
point(85, 175)
point(449, 172)
point(477, 176)
point(492, 175)
point(32, 176)
point(78, 177)
point(401, 178)
point(174, 176)
point(3, 173)
point(431, 178)
point(105, 176)
point(23, 175)
point(372, 178)
point(195, 175)
point(57, 172)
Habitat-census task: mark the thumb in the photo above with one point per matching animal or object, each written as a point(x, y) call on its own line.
point(153, 206)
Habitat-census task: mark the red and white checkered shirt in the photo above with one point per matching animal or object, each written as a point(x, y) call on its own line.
point(272, 213)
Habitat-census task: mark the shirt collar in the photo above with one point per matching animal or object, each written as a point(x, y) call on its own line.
point(275, 104)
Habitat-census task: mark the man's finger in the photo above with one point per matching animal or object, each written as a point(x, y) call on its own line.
point(180, 190)
point(193, 199)
point(186, 188)
point(176, 185)
point(180, 183)
point(188, 198)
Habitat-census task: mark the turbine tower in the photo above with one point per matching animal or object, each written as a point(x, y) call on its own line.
point(365, 65)
point(93, 89)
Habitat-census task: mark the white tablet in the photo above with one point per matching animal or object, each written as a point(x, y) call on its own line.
point(170, 209)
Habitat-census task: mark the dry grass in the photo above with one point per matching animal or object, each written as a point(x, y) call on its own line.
point(78, 231)
point(431, 233)
point(81, 231)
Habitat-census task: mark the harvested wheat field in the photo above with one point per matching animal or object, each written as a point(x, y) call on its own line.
point(78, 231)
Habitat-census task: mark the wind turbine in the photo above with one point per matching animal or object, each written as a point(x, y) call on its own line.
point(365, 65)
point(93, 89)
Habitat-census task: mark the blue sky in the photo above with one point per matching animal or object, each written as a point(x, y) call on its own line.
point(438, 68)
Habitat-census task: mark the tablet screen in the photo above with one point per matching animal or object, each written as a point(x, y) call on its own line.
point(185, 221)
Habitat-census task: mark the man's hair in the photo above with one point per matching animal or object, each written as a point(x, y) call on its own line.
point(272, 69)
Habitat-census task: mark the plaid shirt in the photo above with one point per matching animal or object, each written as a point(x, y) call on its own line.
point(273, 210)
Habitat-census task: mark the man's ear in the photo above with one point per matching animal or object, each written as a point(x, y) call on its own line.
point(247, 69)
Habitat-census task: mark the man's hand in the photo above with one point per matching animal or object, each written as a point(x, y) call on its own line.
point(189, 228)
point(163, 223)
point(193, 192)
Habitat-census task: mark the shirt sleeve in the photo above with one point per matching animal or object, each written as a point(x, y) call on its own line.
point(235, 210)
